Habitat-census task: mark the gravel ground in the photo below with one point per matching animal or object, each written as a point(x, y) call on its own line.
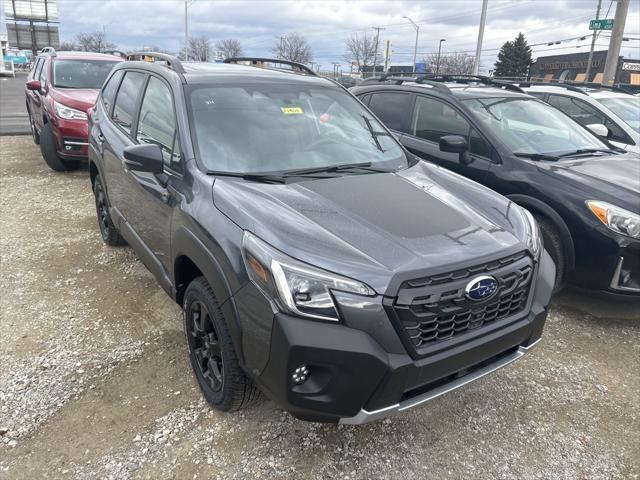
point(95, 383)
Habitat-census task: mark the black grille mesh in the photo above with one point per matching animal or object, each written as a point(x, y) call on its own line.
point(433, 309)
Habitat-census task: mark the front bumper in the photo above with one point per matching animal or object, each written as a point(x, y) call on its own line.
point(608, 262)
point(359, 371)
point(71, 138)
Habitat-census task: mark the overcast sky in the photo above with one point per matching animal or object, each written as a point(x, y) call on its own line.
point(326, 24)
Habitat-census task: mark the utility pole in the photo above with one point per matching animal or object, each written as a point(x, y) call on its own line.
point(619, 20)
point(439, 50)
point(483, 19)
point(387, 54)
point(593, 44)
point(375, 55)
point(415, 48)
point(186, 31)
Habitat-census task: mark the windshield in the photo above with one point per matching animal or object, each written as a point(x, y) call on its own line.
point(627, 108)
point(80, 73)
point(529, 126)
point(282, 127)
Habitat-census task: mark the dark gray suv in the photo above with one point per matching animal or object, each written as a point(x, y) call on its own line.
point(316, 260)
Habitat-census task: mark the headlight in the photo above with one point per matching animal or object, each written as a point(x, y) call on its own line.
point(297, 287)
point(534, 239)
point(69, 113)
point(617, 219)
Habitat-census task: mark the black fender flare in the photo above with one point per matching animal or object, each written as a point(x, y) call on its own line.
point(555, 218)
point(185, 243)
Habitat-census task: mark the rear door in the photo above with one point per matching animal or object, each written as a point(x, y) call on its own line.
point(34, 96)
point(432, 119)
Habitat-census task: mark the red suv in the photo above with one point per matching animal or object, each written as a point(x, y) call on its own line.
point(60, 88)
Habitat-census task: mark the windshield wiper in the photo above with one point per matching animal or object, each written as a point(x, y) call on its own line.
point(375, 134)
point(366, 166)
point(256, 177)
point(582, 151)
point(536, 156)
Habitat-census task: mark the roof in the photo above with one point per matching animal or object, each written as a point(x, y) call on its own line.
point(456, 89)
point(577, 90)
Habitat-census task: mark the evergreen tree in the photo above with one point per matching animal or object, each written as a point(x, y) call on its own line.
point(514, 58)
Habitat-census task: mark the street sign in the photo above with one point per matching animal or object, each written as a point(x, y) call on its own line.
point(602, 24)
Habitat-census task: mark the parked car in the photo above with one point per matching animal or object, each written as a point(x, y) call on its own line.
point(60, 88)
point(610, 113)
point(314, 258)
point(584, 195)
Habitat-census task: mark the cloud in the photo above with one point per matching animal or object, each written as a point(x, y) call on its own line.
point(134, 23)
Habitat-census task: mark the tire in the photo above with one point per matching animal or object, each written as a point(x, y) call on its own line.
point(34, 132)
point(553, 245)
point(108, 230)
point(213, 358)
point(50, 154)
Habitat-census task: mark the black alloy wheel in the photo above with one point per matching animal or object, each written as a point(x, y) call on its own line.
point(205, 344)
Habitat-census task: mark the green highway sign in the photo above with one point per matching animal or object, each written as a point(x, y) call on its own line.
point(602, 24)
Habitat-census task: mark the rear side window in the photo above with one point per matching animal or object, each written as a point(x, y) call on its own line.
point(110, 89)
point(433, 119)
point(392, 108)
point(157, 121)
point(127, 99)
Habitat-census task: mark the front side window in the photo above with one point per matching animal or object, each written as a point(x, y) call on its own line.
point(127, 99)
point(157, 120)
point(110, 89)
point(392, 108)
point(280, 127)
point(528, 126)
point(627, 108)
point(81, 73)
point(580, 111)
point(433, 119)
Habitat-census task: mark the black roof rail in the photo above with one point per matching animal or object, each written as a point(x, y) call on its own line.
point(118, 53)
point(49, 50)
point(399, 80)
point(568, 86)
point(463, 78)
point(259, 62)
point(172, 62)
point(615, 88)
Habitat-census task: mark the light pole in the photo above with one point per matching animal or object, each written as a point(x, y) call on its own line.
point(439, 50)
point(187, 4)
point(483, 19)
point(415, 48)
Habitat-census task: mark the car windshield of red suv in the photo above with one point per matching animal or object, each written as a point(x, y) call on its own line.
point(80, 73)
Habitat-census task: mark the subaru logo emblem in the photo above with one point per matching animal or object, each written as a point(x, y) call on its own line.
point(481, 288)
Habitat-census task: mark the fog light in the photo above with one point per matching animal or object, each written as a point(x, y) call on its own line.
point(300, 375)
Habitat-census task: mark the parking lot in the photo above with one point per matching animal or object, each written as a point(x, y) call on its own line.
point(95, 381)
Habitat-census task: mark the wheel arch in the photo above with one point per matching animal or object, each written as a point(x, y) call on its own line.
point(191, 260)
point(538, 206)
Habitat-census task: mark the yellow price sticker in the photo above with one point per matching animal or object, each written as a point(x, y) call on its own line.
point(292, 110)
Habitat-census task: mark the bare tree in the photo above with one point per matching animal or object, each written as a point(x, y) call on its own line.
point(360, 49)
point(199, 49)
point(451, 63)
point(93, 42)
point(230, 48)
point(294, 48)
point(68, 46)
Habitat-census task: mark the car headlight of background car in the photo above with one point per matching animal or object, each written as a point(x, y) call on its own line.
point(69, 113)
point(534, 239)
point(617, 219)
point(297, 287)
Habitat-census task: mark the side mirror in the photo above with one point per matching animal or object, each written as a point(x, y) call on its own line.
point(34, 85)
point(598, 129)
point(453, 144)
point(144, 158)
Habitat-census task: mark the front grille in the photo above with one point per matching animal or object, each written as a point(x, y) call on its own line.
point(434, 309)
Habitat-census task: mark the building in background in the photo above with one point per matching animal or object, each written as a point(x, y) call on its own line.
point(573, 67)
point(32, 25)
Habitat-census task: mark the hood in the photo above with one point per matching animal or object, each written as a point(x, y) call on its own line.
point(606, 177)
point(373, 226)
point(78, 98)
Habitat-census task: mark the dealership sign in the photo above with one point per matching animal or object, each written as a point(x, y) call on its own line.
point(634, 67)
point(602, 24)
